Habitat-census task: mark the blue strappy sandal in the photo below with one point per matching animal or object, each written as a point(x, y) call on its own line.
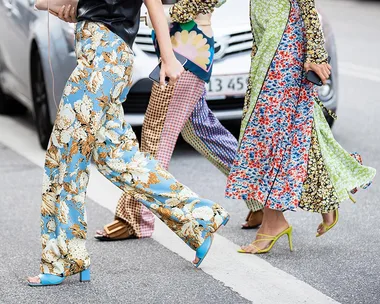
point(51, 279)
point(205, 247)
point(203, 250)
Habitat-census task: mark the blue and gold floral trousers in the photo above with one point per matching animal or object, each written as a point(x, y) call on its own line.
point(90, 125)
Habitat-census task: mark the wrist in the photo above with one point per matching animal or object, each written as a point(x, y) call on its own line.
point(165, 58)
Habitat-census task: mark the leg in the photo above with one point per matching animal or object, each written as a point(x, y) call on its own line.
point(274, 223)
point(84, 100)
point(130, 214)
point(91, 116)
point(204, 132)
point(117, 156)
point(63, 220)
point(82, 109)
point(161, 128)
point(187, 93)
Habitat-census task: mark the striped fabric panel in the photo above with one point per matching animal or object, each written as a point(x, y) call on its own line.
point(204, 132)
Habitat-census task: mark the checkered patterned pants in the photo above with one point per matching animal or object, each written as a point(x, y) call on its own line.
point(179, 109)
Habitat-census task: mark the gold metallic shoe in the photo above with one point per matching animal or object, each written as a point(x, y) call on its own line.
point(115, 231)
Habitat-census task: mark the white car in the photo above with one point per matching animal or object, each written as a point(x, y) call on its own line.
point(26, 77)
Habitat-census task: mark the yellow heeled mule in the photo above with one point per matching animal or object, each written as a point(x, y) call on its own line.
point(273, 240)
point(326, 227)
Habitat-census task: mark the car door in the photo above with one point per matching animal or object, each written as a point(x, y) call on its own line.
point(16, 17)
point(5, 47)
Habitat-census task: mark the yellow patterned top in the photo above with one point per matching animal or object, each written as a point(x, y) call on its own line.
point(186, 10)
point(316, 52)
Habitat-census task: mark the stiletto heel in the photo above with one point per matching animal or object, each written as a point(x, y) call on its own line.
point(327, 228)
point(273, 239)
point(85, 275)
point(351, 197)
point(290, 238)
point(203, 250)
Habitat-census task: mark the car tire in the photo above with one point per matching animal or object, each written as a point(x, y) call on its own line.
point(9, 106)
point(40, 101)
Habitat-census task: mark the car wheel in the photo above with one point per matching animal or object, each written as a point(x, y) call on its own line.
point(9, 106)
point(40, 102)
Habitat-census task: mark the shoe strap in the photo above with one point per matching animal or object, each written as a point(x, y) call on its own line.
point(50, 278)
point(267, 236)
point(114, 227)
point(327, 227)
point(260, 240)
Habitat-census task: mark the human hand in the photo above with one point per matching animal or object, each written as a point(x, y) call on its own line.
point(171, 69)
point(66, 13)
point(323, 70)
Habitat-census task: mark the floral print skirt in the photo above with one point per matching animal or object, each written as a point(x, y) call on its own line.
point(288, 157)
point(89, 126)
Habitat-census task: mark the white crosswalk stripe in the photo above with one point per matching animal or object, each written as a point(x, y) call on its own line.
point(249, 275)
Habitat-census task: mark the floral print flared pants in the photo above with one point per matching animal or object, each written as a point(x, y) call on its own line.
point(90, 125)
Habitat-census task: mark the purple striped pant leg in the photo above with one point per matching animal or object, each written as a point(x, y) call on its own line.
point(204, 132)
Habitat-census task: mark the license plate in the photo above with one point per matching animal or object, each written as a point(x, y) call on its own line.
point(227, 85)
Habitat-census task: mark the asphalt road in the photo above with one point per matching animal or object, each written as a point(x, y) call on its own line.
point(344, 264)
point(139, 271)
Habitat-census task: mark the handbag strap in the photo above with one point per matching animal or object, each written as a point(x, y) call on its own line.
point(49, 54)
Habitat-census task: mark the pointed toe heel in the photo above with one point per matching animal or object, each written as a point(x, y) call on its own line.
point(85, 275)
point(203, 250)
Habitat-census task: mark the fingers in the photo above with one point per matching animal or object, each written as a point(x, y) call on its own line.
point(162, 78)
point(328, 70)
point(325, 71)
point(66, 13)
point(322, 70)
point(321, 75)
point(174, 78)
point(73, 15)
point(172, 82)
point(170, 72)
point(61, 12)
